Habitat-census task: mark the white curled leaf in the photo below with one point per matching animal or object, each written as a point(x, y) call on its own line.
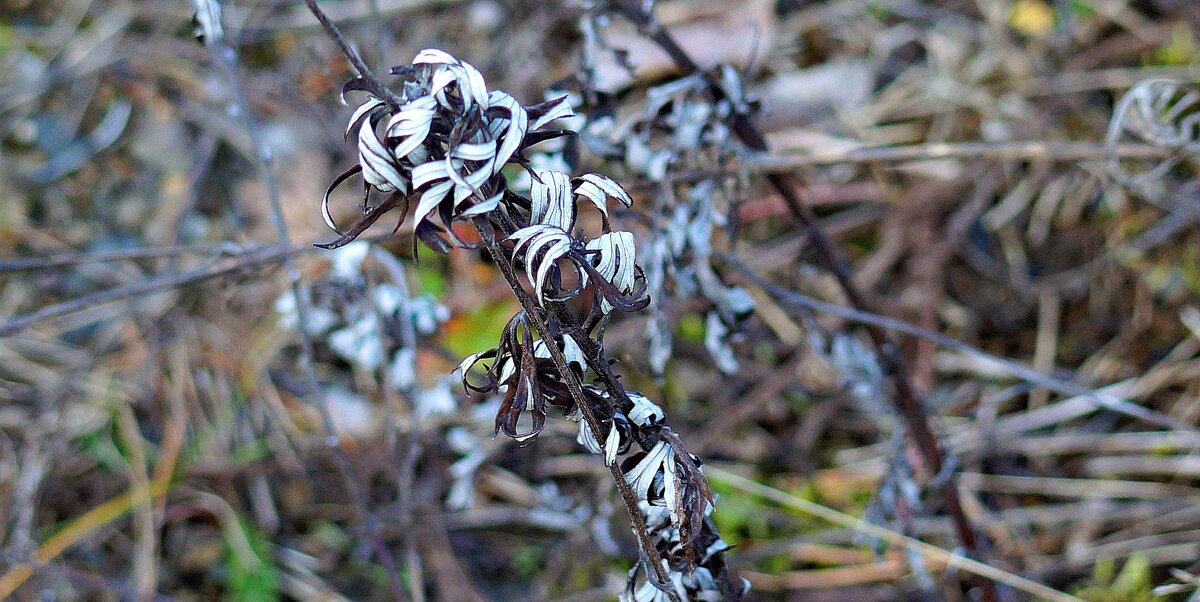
point(429, 172)
point(644, 411)
point(612, 443)
point(553, 254)
point(429, 201)
point(484, 207)
point(208, 22)
point(540, 238)
point(526, 234)
point(514, 127)
point(462, 192)
point(412, 124)
point(615, 261)
point(379, 169)
point(468, 363)
point(551, 202)
point(475, 151)
point(617, 258)
point(452, 169)
point(597, 189)
point(551, 244)
point(448, 70)
point(642, 477)
point(442, 77)
point(477, 178)
point(433, 56)
point(467, 184)
point(561, 109)
point(647, 592)
point(471, 85)
point(371, 104)
point(507, 369)
point(414, 117)
point(573, 352)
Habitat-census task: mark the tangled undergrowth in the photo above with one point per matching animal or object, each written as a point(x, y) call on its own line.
point(917, 283)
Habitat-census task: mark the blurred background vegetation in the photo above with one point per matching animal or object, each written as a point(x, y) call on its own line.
point(155, 437)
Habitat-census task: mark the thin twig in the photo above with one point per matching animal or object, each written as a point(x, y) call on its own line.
point(1024, 151)
point(343, 13)
point(379, 90)
point(1101, 79)
point(222, 267)
point(257, 258)
point(907, 401)
point(63, 259)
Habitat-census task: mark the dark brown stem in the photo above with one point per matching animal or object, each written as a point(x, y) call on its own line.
point(907, 402)
point(576, 389)
point(380, 91)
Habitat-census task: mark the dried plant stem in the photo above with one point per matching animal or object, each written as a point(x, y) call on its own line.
point(250, 260)
point(656, 573)
point(64, 259)
point(223, 266)
point(226, 58)
point(907, 401)
point(378, 89)
point(576, 389)
point(1036, 150)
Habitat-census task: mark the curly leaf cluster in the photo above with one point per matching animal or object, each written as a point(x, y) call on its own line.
point(444, 144)
point(444, 140)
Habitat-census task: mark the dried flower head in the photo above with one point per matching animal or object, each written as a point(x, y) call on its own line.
point(445, 145)
point(444, 140)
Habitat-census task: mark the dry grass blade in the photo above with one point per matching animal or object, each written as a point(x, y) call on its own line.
point(933, 553)
point(78, 529)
